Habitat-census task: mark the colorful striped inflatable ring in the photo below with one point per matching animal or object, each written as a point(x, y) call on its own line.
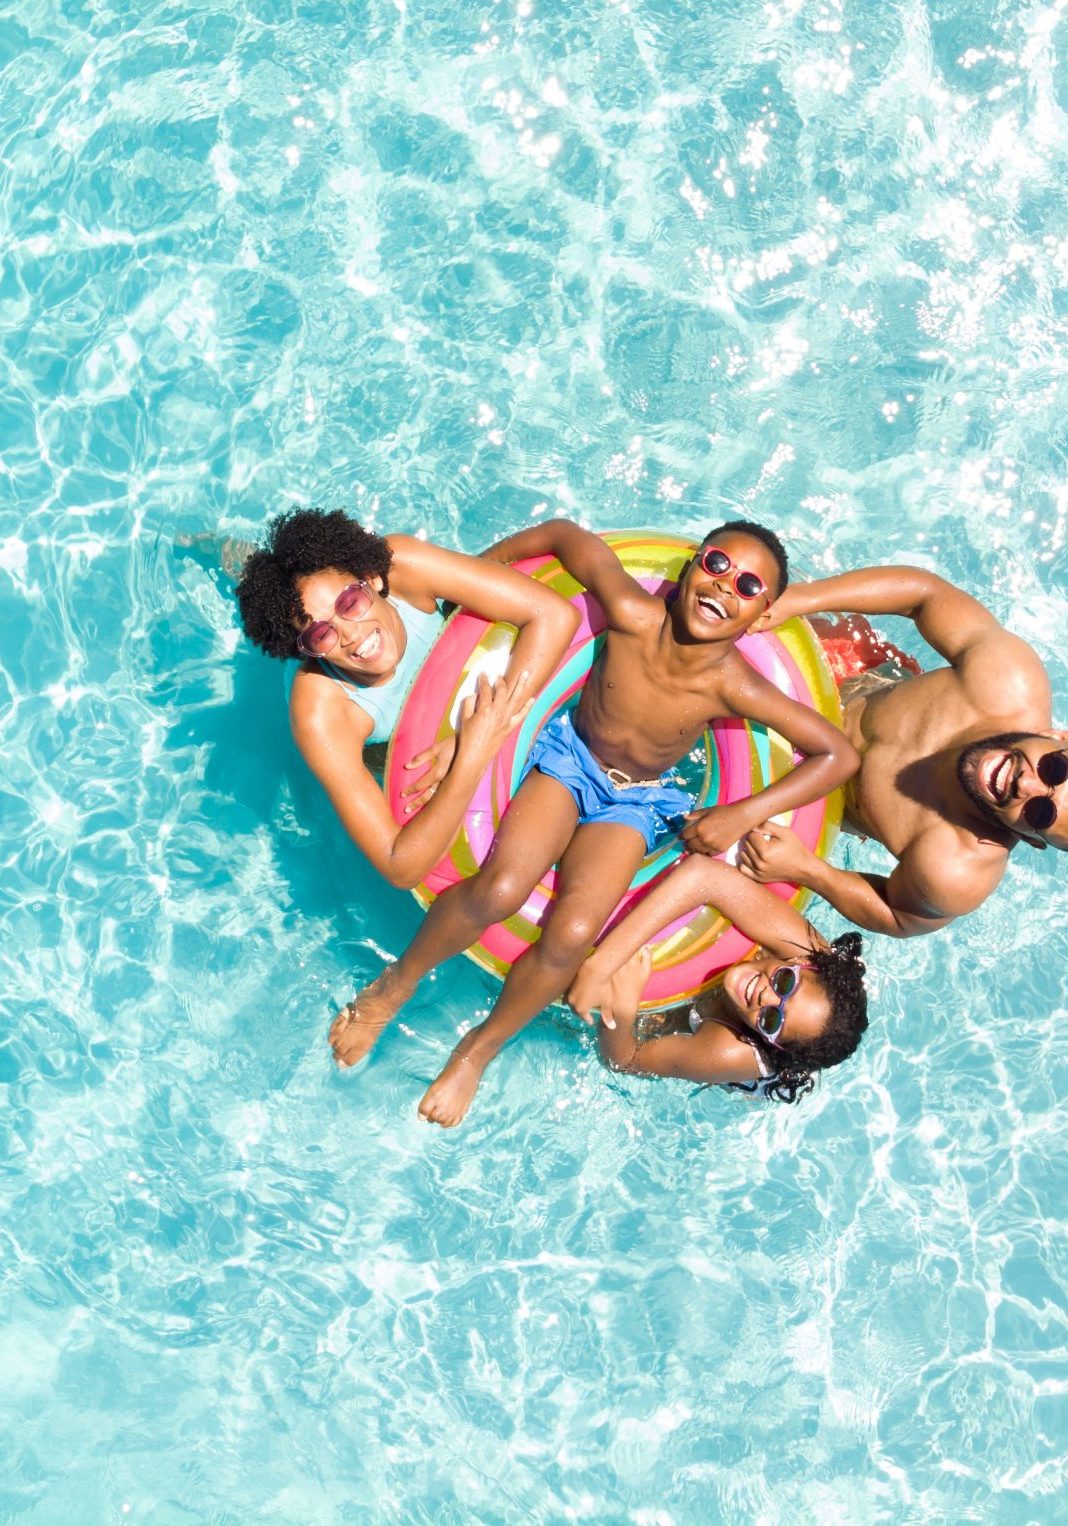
point(739, 759)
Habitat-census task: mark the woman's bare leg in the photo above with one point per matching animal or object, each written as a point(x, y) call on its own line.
point(534, 832)
point(594, 874)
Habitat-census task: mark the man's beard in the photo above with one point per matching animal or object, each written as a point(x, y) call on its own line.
point(968, 763)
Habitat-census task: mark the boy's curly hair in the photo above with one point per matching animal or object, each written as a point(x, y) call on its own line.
point(840, 971)
point(299, 543)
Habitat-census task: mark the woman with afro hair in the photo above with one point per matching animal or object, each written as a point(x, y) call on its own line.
point(796, 1006)
point(359, 612)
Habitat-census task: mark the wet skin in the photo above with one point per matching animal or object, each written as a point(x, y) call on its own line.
point(649, 697)
point(952, 841)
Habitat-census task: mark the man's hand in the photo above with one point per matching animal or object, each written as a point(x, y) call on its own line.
point(718, 828)
point(435, 762)
point(772, 854)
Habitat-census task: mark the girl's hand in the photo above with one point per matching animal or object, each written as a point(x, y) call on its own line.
point(772, 854)
point(590, 989)
point(616, 993)
point(718, 828)
point(437, 760)
point(628, 983)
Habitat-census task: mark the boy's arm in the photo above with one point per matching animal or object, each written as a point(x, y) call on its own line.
point(830, 759)
point(947, 618)
point(544, 621)
point(931, 885)
point(585, 555)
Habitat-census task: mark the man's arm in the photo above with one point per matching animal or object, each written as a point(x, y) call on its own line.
point(932, 885)
point(587, 558)
point(947, 618)
point(830, 759)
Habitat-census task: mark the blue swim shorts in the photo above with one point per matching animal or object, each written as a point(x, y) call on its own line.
point(654, 810)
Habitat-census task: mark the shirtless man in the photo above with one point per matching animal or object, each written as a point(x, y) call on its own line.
point(958, 765)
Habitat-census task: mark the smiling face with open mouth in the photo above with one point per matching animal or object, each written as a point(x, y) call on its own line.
point(710, 602)
point(370, 647)
point(1015, 780)
point(748, 988)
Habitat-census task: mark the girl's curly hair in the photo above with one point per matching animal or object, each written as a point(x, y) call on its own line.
point(840, 971)
point(299, 543)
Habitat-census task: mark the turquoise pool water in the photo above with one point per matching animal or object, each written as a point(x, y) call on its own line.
point(454, 266)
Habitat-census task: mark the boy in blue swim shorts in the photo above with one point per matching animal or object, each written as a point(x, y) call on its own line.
point(599, 792)
point(654, 807)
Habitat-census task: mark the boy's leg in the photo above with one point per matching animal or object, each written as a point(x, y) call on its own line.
point(594, 874)
point(534, 832)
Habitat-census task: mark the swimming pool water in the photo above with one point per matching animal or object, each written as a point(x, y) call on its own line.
point(454, 267)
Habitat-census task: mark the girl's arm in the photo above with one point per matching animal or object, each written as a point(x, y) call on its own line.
point(775, 925)
point(712, 1054)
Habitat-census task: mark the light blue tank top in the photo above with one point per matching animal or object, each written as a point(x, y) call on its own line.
point(383, 702)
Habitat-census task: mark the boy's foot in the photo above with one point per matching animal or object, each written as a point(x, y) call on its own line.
point(356, 1027)
point(448, 1098)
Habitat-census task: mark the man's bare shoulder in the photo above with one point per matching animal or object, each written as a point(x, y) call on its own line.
point(1003, 676)
point(948, 870)
point(994, 688)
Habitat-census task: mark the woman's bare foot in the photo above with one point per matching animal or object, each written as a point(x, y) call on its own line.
point(448, 1098)
point(356, 1027)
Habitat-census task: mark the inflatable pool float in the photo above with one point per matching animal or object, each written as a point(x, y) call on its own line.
point(738, 759)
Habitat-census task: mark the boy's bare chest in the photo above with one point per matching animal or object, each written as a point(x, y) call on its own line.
point(632, 687)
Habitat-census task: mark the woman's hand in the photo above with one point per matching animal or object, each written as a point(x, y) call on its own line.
point(718, 828)
point(772, 854)
point(436, 762)
point(491, 713)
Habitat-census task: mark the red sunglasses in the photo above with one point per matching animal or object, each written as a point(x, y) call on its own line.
point(321, 636)
point(747, 585)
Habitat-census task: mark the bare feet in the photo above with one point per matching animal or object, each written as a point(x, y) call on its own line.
point(356, 1027)
point(448, 1098)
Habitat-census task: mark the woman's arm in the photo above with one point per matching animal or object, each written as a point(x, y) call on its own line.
point(330, 732)
point(698, 881)
point(544, 621)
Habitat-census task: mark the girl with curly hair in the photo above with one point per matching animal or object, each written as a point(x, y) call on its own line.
point(796, 1006)
point(360, 611)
